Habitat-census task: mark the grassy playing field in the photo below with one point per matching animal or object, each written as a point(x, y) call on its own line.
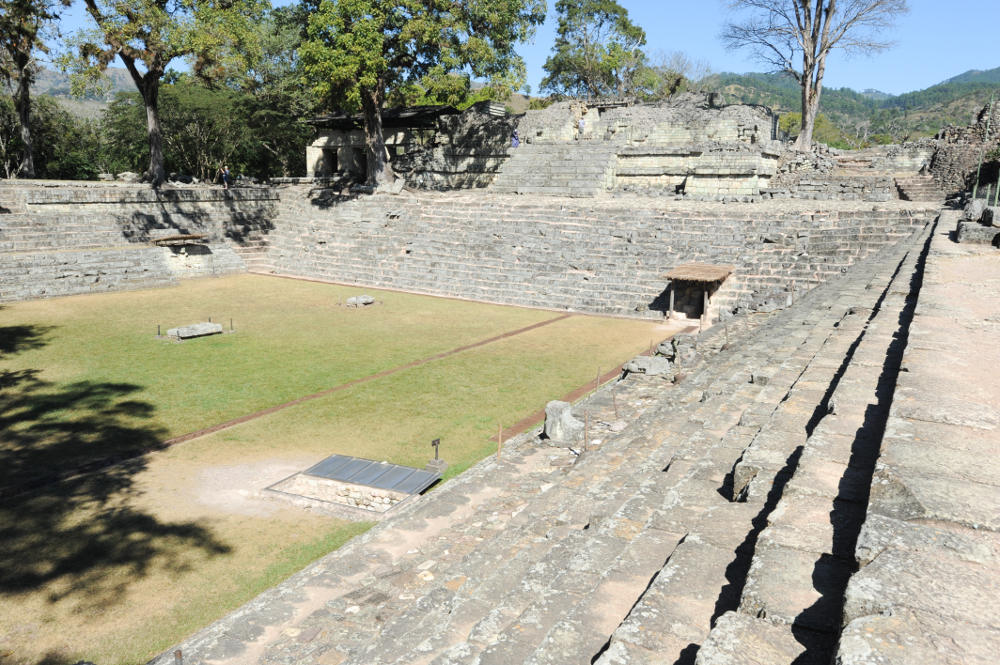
point(117, 565)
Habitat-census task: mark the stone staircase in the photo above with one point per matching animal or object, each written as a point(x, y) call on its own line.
point(582, 168)
point(254, 251)
point(628, 555)
point(919, 188)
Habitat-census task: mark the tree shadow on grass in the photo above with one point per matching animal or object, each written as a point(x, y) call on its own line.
point(69, 455)
point(14, 339)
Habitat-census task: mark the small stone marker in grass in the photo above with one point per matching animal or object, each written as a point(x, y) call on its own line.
point(195, 330)
point(360, 301)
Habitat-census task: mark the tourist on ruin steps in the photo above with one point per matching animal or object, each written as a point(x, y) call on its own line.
point(515, 140)
point(225, 176)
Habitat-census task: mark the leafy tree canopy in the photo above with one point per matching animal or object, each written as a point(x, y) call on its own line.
point(148, 34)
point(359, 53)
point(22, 23)
point(597, 53)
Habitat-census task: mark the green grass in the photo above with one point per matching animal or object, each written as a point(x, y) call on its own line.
point(115, 566)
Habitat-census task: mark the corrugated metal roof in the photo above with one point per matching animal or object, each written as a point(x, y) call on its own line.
point(381, 475)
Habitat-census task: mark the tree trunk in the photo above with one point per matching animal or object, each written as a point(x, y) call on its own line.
point(150, 96)
point(148, 85)
point(379, 172)
point(22, 102)
point(804, 141)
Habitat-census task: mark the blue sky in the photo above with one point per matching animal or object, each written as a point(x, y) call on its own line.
point(936, 40)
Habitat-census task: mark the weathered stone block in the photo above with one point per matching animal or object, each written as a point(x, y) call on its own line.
point(195, 330)
point(560, 424)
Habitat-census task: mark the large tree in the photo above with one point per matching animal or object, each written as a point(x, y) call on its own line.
point(21, 26)
point(148, 34)
point(358, 53)
point(598, 51)
point(796, 36)
point(277, 103)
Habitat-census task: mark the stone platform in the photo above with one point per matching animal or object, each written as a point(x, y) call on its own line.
point(821, 487)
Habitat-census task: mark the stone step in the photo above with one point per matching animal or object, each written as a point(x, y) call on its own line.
point(803, 557)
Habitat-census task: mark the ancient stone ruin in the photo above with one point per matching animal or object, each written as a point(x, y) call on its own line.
point(812, 478)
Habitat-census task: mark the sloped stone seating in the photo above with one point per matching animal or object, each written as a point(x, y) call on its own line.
point(581, 168)
point(593, 255)
point(912, 454)
point(823, 468)
point(62, 239)
point(625, 557)
point(927, 589)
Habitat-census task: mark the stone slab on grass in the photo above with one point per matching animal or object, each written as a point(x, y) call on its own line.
point(195, 330)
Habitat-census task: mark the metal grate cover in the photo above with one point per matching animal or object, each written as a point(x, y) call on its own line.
point(380, 475)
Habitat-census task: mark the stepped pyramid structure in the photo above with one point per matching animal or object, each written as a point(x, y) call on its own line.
point(683, 147)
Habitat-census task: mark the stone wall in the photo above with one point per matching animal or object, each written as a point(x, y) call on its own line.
point(959, 149)
point(686, 145)
point(465, 151)
point(67, 238)
point(334, 491)
point(829, 187)
point(698, 171)
point(605, 256)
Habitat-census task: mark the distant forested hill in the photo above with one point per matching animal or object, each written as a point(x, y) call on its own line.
point(56, 84)
point(871, 114)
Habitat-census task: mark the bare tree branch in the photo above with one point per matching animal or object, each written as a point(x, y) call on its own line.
point(780, 32)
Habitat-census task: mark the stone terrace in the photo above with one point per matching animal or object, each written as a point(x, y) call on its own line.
point(604, 255)
point(61, 238)
point(780, 503)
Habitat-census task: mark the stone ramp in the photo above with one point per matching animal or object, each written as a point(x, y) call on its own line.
point(625, 556)
point(583, 168)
